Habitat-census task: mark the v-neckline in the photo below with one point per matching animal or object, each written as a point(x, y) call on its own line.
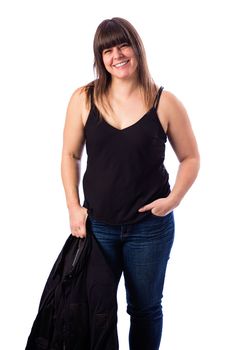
point(127, 127)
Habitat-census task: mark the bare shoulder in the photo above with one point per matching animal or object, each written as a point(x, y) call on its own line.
point(79, 104)
point(172, 106)
point(73, 134)
point(171, 110)
point(179, 128)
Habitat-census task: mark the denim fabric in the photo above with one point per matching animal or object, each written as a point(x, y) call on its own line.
point(141, 251)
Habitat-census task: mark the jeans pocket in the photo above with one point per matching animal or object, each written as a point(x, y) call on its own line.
point(157, 216)
point(162, 216)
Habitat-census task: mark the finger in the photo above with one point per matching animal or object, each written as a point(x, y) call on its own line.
point(146, 207)
point(78, 235)
point(75, 233)
point(82, 231)
point(155, 212)
point(79, 232)
point(158, 212)
point(143, 209)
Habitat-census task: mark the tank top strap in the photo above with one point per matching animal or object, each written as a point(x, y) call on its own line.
point(93, 115)
point(90, 94)
point(157, 97)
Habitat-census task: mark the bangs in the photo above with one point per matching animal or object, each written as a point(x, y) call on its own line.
point(115, 32)
point(112, 34)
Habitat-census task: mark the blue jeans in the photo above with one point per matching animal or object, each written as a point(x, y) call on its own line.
point(141, 251)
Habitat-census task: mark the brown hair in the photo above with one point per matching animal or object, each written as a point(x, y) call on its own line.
point(109, 33)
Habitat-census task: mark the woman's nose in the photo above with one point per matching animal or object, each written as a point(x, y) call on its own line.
point(117, 52)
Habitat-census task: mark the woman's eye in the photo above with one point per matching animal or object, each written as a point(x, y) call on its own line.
point(107, 51)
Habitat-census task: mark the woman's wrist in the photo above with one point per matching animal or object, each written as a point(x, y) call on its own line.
point(174, 199)
point(73, 207)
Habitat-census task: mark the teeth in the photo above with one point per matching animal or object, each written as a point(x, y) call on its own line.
point(121, 64)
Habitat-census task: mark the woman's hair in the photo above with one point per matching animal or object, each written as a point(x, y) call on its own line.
point(109, 33)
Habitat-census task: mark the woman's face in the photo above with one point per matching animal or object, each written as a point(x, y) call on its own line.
point(120, 61)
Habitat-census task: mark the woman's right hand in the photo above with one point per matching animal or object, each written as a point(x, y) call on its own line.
point(78, 216)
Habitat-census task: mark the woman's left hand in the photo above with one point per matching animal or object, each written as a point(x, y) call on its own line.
point(159, 207)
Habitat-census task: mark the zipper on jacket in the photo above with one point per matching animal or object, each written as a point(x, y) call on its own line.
point(81, 244)
point(75, 258)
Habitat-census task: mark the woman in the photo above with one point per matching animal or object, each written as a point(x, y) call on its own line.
point(125, 120)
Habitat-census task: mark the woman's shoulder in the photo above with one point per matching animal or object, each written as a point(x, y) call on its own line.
point(80, 98)
point(171, 109)
point(79, 106)
point(171, 102)
point(81, 94)
point(169, 96)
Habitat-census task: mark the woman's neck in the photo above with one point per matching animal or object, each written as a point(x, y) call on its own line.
point(123, 89)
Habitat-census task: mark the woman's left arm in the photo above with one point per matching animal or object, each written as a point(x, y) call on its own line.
point(184, 144)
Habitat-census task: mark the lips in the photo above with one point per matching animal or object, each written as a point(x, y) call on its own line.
point(121, 64)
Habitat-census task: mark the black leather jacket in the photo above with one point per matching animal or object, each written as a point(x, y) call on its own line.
point(78, 306)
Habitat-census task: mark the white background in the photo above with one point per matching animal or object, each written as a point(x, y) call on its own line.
point(46, 53)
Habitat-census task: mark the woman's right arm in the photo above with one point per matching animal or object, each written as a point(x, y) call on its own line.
point(73, 144)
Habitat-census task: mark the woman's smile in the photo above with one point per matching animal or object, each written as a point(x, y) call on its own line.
point(121, 64)
point(120, 61)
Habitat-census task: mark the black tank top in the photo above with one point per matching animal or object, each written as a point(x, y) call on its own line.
point(125, 169)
